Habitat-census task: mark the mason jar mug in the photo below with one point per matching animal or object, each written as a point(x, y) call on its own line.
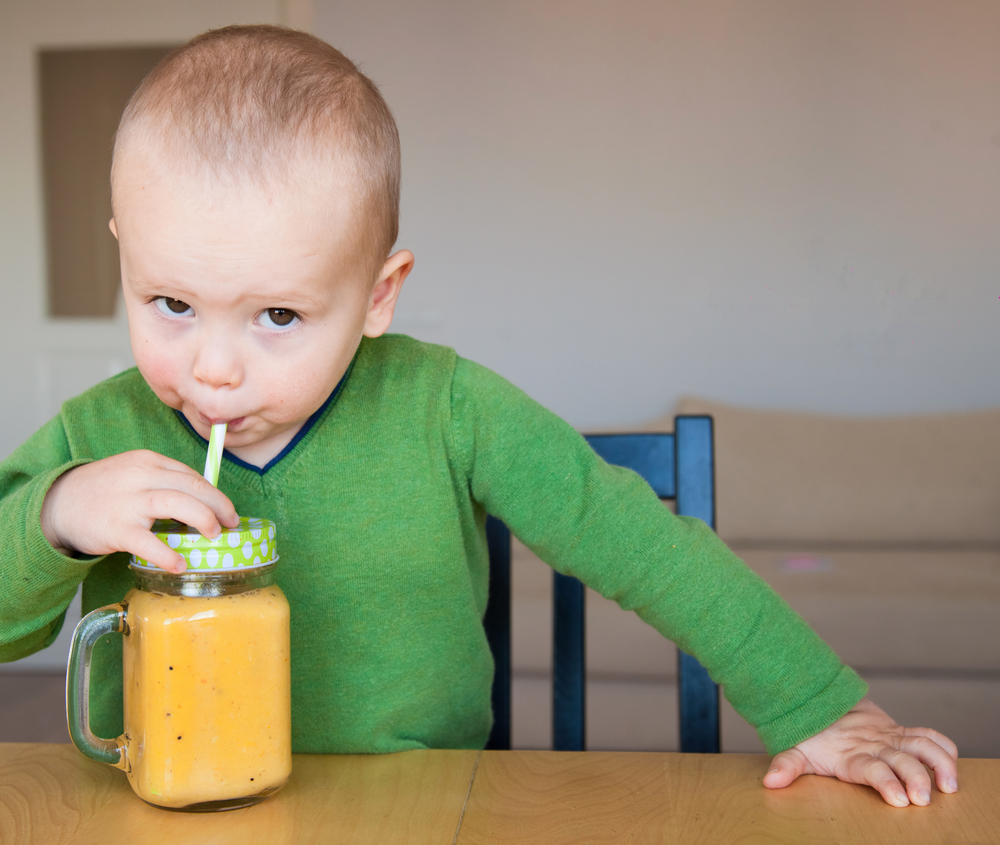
point(206, 673)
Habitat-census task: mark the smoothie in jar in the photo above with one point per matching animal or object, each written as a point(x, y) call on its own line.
point(207, 695)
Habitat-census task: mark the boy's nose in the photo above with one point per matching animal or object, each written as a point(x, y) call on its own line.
point(218, 365)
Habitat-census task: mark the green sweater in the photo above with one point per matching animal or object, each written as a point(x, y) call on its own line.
point(380, 506)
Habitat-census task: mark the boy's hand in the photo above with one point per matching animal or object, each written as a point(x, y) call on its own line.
point(109, 506)
point(866, 746)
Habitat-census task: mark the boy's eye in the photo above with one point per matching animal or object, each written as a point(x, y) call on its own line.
point(172, 306)
point(278, 318)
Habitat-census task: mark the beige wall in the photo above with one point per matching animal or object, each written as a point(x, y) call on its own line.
point(613, 202)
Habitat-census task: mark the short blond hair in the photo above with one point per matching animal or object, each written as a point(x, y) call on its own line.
point(245, 102)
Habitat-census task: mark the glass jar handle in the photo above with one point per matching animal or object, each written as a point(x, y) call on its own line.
point(93, 626)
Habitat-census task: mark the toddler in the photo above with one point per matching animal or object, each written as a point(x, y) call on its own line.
point(255, 190)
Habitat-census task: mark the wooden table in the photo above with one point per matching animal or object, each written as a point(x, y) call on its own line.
point(52, 794)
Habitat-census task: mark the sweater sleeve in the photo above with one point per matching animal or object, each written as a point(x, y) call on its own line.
point(605, 526)
point(38, 582)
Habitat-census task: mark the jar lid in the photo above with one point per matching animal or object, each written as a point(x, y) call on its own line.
point(248, 545)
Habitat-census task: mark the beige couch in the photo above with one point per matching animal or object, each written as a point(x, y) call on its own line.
point(884, 533)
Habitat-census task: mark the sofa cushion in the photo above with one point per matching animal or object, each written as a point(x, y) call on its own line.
point(909, 611)
point(790, 476)
point(916, 611)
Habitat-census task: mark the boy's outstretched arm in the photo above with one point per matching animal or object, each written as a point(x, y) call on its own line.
point(605, 526)
point(866, 746)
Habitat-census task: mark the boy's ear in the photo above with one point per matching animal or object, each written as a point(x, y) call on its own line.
point(113, 228)
point(382, 303)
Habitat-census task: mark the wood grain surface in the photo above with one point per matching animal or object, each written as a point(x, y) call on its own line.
point(52, 794)
point(607, 797)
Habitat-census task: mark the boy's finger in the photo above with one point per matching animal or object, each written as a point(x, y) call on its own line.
point(935, 737)
point(201, 489)
point(912, 774)
point(878, 775)
point(785, 768)
point(183, 507)
point(932, 754)
point(145, 545)
point(185, 479)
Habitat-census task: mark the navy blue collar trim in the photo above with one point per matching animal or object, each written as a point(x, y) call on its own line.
point(302, 432)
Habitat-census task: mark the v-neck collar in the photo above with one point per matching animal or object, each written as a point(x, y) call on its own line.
point(302, 432)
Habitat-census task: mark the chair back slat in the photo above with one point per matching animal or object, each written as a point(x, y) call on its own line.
point(569, 664)
point(497, 624)
point(695, 469)
point(698, 695)
point(678, 466)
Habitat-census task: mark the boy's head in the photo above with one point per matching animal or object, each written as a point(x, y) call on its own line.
point(255, 191)
point(256, 106)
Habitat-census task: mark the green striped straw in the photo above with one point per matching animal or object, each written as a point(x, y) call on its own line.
point(213, 460)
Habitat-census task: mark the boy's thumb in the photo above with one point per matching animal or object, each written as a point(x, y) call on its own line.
point(785, 768)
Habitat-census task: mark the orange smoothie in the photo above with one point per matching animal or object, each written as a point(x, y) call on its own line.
point(207, 696)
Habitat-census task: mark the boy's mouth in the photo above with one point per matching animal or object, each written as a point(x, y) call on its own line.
point(231, 425)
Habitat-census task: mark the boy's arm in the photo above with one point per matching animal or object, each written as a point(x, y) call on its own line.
point(60, 513)
point(38, 581)
point(605, 526)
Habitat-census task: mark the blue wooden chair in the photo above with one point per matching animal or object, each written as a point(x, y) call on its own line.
point(677, 466)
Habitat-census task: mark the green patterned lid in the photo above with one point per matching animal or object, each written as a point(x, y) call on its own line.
point(251, 543)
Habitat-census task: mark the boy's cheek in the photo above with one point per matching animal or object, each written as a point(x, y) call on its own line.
point(161, 375)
